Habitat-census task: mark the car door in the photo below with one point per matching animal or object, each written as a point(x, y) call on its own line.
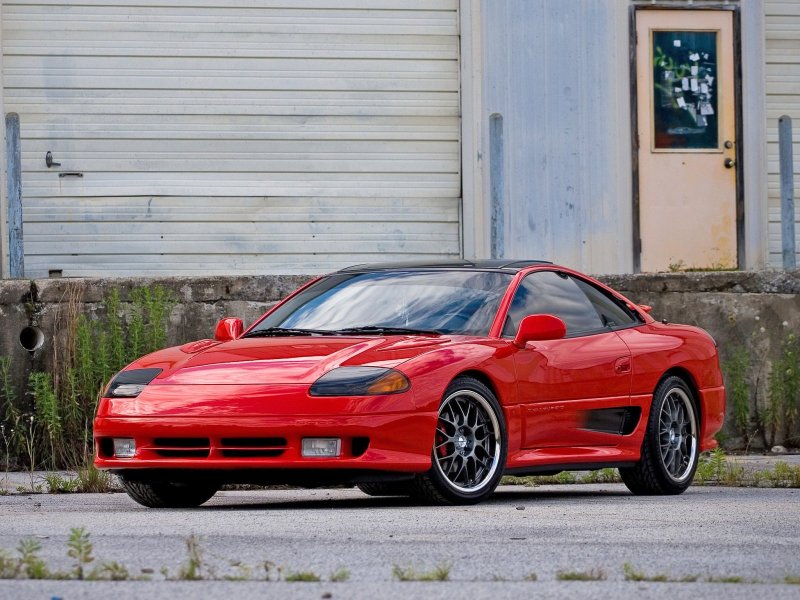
point(574, 391)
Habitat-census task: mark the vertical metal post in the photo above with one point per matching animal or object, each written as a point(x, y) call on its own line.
point(787, 192)
point(14, 197)
point(497, 185)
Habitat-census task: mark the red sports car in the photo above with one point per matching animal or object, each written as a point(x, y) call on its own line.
point(429, 380)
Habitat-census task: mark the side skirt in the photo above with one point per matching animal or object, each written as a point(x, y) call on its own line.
point(555, 469)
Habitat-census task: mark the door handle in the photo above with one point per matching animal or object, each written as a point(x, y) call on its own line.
point(729, 163)
point(622, 365)
point(48, 160)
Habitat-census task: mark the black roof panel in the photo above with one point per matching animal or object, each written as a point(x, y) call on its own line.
point(494, 263)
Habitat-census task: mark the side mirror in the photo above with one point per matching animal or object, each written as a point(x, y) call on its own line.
point(228, 329)
point(538, 328)
point(646, 308)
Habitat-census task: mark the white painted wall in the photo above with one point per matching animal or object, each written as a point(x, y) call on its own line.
point(558, 73)
point(782, 20)
point(279, 136)
point(4, 266)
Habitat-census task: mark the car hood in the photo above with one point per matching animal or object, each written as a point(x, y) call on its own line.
point(260, 361)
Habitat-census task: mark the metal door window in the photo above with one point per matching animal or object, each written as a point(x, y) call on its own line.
point(685, 84)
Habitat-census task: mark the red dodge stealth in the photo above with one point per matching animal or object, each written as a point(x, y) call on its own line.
point(430, 380)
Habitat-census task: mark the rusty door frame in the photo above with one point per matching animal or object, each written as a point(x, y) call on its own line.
point(737, 104)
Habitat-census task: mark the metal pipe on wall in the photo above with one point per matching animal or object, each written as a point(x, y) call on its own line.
point(497, 189)
point(14, 197)
point(787, 192)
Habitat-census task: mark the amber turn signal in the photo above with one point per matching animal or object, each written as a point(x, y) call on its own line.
point(391, 383)
point(360, 381)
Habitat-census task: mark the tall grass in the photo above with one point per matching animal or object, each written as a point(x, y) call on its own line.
point(87, 352)
point(784, 391)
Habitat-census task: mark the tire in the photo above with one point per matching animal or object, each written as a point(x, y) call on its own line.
point(469, 448)
point(161, 494)
point(670, 449)
point(386, 488)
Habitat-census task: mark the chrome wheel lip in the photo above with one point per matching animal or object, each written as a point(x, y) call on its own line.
point(496, 446)
point(677, 435)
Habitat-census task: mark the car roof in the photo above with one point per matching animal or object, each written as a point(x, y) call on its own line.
point(494, 264)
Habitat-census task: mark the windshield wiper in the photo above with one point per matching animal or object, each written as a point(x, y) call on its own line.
point(378, 330)
point(281, 331)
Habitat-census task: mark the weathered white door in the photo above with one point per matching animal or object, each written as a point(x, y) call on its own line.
point(687, 144)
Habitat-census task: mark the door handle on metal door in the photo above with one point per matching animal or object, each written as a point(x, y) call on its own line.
point(729, 163)
point(622, 365)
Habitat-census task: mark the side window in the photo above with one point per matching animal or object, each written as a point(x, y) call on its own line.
point(547, 292)
point(612, 312)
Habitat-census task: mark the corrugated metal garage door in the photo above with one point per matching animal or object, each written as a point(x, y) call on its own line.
point(783, 98)
point(275, 136)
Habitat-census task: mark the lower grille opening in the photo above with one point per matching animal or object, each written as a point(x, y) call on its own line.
point(182, 447)
point(189, 453)
point(251, 453)
point(182, 442)
point(253, 442)
point(252, 447)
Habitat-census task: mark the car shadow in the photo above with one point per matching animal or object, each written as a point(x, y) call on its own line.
point(503, 496)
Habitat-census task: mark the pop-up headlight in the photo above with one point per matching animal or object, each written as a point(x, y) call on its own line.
point(129, 384)
point(360, 381)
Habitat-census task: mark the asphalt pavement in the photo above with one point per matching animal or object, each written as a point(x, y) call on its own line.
point(711, 534)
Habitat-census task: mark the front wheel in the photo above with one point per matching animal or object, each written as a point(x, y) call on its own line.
point(469, 449)
point(162, 494)
point(670, 448)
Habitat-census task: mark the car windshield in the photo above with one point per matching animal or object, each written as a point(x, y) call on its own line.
point(458, 302)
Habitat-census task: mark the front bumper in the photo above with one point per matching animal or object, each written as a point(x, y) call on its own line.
point(387, 442)
point(712, 409)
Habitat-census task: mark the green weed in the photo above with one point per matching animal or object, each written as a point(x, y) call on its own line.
point(9, 567)
point(711, 467)
point(45, 403)
point(602, 476)
point(243, 572)
point(6, 386)
point(60, 485)
point(110, 571)
point(727, 579)
point(784, 390)
point(782, 474)
point(302, 576)
point(92, 480)
point(632, 574)
point(590, 575)
point(192, 570)
point(738, 388)
point(80, 550)
point(439, 573)
point(31, 566)
point(340, 575)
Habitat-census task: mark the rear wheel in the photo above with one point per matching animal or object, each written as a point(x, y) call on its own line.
point(670, 448)
point(162, 494)
point(469, 449)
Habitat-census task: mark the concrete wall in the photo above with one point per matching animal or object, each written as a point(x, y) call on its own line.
point(757, 310)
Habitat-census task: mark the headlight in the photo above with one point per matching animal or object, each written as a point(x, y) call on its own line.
point(360, 381)
point(129, 384)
